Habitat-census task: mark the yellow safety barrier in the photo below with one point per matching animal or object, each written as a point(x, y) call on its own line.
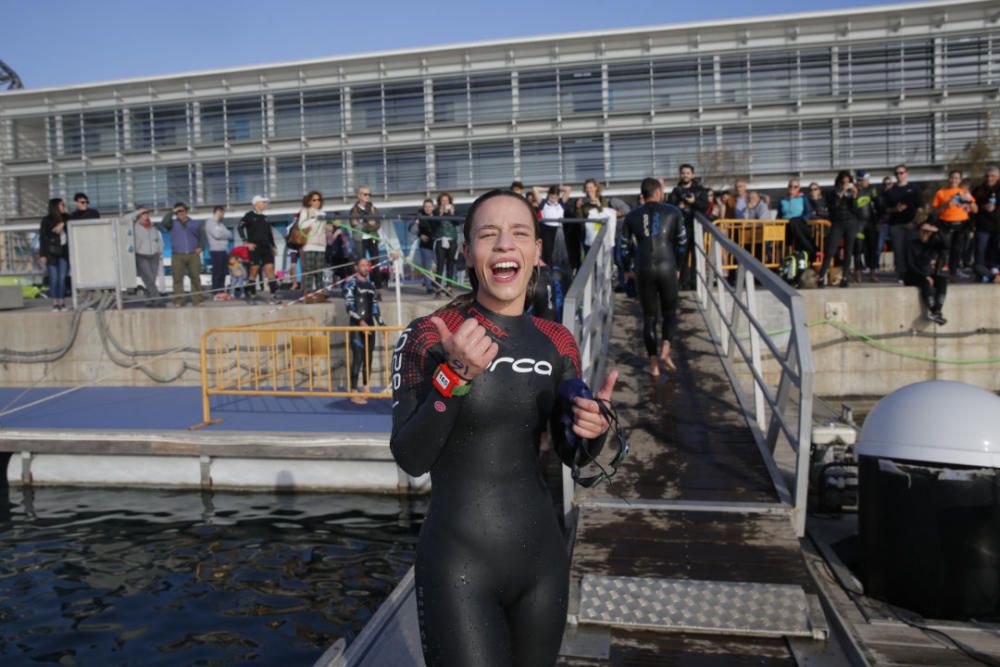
point(294, 358)
point(766, 240)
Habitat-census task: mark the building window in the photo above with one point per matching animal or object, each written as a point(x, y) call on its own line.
point(104, 189)
point(814, 73)
point(675, 82)
point(629, 87)
point(583, 158)
point(160, 187)
point(100, 132)
point(773, 148)
point(170, 126)
point(492, 164)
point(246, 179)
point(288, 115)
point(733, 79)
point(734, 156)
point(882, 142)
point(490, 98)
point(366, 108)
point(244, 119)
point(72, 131)
point(214, 180)
point(771, 76)
point(967, 61)
point(961, 132)
point(631, 157)
point(321, 113)
point(537, 94)
point(816, 146)
point(579, 90)
point(453, 167)
point(673, 148)
point(159, 127)
point(406, 170)
point(404, 104)
point(74, 182)
point(326, 174)
point(886, 68)
point(213, 126)
point(451, 100)
point(29, 139)
point(289, 178)
point(369, 169)
point(540, 161)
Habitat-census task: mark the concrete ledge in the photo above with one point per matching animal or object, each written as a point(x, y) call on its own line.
point(249, 444)
point(847, 366)
point(342, 462)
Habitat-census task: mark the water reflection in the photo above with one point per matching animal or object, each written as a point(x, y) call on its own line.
point(182, 578)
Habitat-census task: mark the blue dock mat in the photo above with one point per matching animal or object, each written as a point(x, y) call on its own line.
point(177, 408)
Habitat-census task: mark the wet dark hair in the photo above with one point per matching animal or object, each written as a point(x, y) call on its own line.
point(463, 301)
point(649, 187)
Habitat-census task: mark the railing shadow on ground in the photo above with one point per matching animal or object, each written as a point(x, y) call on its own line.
point(733, 319)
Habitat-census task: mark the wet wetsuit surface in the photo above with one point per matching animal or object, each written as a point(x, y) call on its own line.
point(652, 237)
point(492, 569)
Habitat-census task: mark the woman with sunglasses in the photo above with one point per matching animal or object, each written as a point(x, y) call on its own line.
point(474, 387)
point(312, 223)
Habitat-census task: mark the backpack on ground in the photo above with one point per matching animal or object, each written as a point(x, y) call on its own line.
point(793, 266)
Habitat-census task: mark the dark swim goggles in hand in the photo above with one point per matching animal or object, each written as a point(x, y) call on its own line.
point(580, 447)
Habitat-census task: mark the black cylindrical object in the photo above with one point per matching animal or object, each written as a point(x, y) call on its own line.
point(929, 500)
point(930, 537)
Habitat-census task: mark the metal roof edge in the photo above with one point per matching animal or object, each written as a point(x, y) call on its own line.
point(510, 41)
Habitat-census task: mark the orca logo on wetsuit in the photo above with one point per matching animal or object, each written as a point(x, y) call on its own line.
point(523, 365)
point(488, 324)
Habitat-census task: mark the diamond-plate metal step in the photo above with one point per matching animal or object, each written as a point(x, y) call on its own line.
point(682, 605)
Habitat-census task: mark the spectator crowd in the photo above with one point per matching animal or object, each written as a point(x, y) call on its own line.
point(952, 233)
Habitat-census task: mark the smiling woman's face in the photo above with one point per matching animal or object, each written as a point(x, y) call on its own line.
point(503, 251)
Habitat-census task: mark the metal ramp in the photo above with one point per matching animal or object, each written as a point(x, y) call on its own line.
point(714, 607)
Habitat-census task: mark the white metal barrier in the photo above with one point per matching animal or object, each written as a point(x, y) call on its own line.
point(733, 320)
point(588, 310)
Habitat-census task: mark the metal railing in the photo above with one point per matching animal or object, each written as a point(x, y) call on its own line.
point(287, 359)
point(588, 309)
point(733, 319)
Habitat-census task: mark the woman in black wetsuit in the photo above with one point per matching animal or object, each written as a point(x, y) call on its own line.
point(474, 388)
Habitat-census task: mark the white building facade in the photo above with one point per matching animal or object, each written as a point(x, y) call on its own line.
point(764, 98)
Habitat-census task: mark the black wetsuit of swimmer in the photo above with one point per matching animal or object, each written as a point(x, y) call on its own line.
point(657, 231)
point(492, 569)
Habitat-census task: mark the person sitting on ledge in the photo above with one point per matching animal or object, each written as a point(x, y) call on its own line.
point(923, 270)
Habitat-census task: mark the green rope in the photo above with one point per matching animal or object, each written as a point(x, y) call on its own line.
point(439, 277)
point(905, 353)
point(885, 347)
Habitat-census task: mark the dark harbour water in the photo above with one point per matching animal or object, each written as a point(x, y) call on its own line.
point(136, 577)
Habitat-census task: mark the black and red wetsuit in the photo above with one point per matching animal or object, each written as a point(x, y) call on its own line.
point(492, 569)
